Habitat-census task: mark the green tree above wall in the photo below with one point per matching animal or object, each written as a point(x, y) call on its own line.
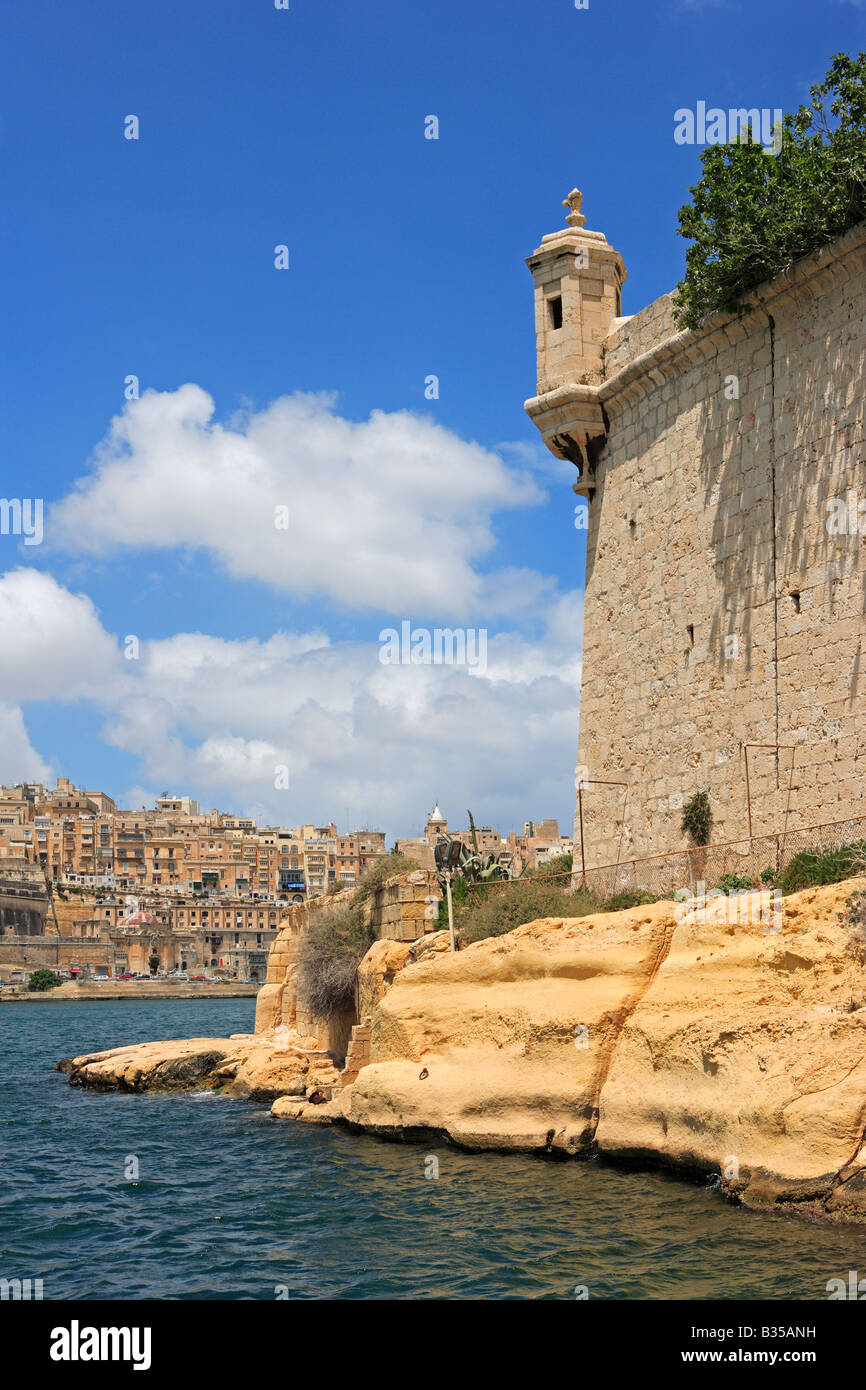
point(754, 214)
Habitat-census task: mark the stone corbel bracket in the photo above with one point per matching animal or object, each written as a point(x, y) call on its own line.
point(573, 425)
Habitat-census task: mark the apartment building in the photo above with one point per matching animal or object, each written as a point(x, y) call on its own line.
point(82, 839)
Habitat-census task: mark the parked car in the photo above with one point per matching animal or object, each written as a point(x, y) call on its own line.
point(126, 976)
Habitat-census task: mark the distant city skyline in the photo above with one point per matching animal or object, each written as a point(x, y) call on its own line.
point(190, 806)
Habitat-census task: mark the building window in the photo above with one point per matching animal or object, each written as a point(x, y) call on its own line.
point(554, 311)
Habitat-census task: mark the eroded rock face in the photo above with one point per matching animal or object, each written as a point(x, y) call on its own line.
point(160, 1066)
point(379, 968)
point(747, 1057)
point(246, 1068)
point(734, 1049)
point(376, 972)
point(515, 1034)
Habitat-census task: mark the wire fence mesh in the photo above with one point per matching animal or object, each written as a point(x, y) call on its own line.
point(661, 875)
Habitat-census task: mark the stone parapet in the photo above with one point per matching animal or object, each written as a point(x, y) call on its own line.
point(407, 906)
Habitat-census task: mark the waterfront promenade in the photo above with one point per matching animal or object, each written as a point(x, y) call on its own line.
point(132, 990)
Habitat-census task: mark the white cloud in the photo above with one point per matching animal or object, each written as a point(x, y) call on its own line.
point(378, 740)
point(215, 718)
point(19, 761)
point(52, 642)
point(392, 513)
point(394, 506)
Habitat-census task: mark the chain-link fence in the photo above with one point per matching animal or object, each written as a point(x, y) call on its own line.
point(663, 874)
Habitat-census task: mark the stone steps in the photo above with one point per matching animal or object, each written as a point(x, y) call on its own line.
point(358, 1054)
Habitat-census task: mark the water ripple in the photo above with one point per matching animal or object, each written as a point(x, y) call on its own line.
point(229, 1203)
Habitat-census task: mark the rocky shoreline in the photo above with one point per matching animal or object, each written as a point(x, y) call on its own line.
point(733, 1049)
point(243, 1066)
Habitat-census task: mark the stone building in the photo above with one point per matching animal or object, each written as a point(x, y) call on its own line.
point(539, 842)
point(216, 937)
point(80, 838)
point(30, 934)
point(722, 481)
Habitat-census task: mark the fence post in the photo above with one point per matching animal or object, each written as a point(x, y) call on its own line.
point(582, 854)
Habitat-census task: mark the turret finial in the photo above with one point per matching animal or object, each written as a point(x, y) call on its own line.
point(575, 218)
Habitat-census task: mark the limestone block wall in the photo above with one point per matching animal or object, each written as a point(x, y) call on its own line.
point(30, 952)
point(632, 337)
point(407, 906)
point(23, 907)
point(357, 1054)
point(75, 911)
point(721, 606)
point(277, 1003)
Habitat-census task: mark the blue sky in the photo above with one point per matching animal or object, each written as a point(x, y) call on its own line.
point(155, 257)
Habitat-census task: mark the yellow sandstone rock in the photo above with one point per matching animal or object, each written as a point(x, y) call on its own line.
point(733, 1047)
point(515, 1033)
point(253, 1070)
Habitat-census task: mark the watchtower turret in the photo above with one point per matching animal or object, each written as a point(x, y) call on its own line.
point(578, 297)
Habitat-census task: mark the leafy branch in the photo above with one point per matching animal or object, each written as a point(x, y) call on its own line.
point(752, 216)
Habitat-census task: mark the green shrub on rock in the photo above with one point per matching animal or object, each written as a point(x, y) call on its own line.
point(338, 938)
point(697, 821)
point(523, 901)
point(335, 942)
point(734, 883)
point(813, 867)
point(640, 897)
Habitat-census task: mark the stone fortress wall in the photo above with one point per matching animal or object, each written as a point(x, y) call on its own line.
point(724, 604)
point(48, 952)
point(23, 904)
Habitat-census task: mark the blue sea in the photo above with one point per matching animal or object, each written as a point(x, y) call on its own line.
point(232, 1204)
